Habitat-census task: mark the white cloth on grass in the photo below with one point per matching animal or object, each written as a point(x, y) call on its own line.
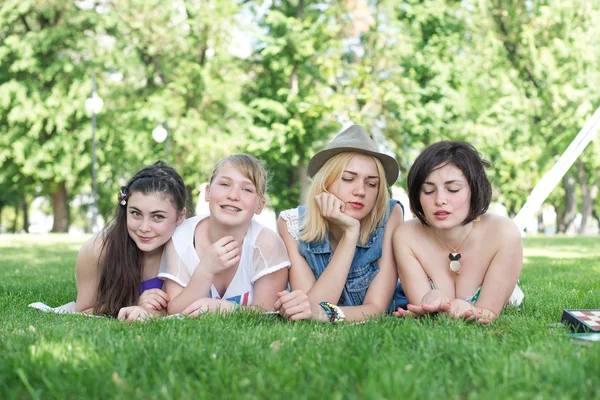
point(68, 308)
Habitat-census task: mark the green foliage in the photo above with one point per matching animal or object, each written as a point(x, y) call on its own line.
point(291, 98)
point(279, 79)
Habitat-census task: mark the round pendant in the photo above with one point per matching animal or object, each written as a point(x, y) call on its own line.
point(455, 267)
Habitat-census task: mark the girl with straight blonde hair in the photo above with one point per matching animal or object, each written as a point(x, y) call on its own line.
point(339, 244)
point(225, 259)
point(316, 226)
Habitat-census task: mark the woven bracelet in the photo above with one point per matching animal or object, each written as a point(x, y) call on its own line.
point(334, 313)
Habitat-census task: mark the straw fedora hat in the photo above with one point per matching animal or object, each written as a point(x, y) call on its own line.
point(355, 138)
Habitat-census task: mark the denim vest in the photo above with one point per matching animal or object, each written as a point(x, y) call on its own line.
point(364, 264)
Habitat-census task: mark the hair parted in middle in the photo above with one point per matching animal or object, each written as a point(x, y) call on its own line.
point(251, 167)
point(464, 157)
point(315, 226)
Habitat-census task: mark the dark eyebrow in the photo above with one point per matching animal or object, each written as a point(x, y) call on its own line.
point(151, 212)
point(355, 174)
point(445, 183)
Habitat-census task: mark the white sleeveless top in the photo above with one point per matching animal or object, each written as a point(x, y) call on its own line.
point(263, 252)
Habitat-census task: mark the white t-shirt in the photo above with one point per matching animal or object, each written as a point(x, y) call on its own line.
point(262, 253)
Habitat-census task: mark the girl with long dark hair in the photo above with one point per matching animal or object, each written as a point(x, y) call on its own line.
point(117, 268)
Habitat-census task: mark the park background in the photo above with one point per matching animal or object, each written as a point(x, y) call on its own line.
point(277, 79)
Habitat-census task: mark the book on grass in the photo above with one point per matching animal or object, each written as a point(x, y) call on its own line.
point(582, 320)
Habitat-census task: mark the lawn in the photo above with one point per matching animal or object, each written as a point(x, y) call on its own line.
point(249, 355)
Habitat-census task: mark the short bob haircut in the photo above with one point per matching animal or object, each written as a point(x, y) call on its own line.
point(463, 156)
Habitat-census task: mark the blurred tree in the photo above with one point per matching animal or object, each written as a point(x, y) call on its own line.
point(43, 81)
point(295, 72)
point(278, 79)
point(551, 48)
point(176, 65)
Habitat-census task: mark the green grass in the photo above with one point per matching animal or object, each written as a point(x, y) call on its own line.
point(248, 355)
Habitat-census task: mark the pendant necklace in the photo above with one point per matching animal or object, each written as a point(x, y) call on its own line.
point(455, 255)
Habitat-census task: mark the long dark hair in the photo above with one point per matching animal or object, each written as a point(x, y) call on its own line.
point(120, 258)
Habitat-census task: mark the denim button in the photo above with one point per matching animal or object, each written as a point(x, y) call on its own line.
point(341, 300)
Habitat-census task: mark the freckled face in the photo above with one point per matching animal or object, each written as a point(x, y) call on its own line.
point(233, 198)
point(445, 197)
point(151, 220)
point(358, 186)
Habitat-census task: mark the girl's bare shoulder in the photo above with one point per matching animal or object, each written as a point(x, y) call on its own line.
point(499, 226)
point(409, 231)
point(90, 253)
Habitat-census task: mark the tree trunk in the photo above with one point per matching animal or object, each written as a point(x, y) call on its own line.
point(565, 218)
point(60, 209)
point(597, 218)
point(588, 196)
point(13, 229)
point(25, 206)
point(191, 203)
point(511, 210)
point(541, 225)
point(303, 181)
point(294, 76)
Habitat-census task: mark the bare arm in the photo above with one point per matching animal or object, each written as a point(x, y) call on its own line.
point(267, 287)
point(88, 274)
point(300, 275)
point(182, 297)
point(331, 283)
point(223, 254)
point(504, 270)
point(269, 255)
point(415, 281)
point(297, 305)
point(382, 287)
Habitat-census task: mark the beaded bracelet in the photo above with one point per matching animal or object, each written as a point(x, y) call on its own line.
point(334, 313)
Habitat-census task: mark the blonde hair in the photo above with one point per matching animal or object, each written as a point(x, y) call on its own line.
point(315, 227)
point(252, 168)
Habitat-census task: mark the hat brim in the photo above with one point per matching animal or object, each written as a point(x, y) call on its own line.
point(390, 165)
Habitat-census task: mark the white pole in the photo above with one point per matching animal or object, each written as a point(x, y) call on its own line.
point(549, 181)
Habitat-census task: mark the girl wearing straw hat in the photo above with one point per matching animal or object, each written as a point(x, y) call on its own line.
point(339, 243)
